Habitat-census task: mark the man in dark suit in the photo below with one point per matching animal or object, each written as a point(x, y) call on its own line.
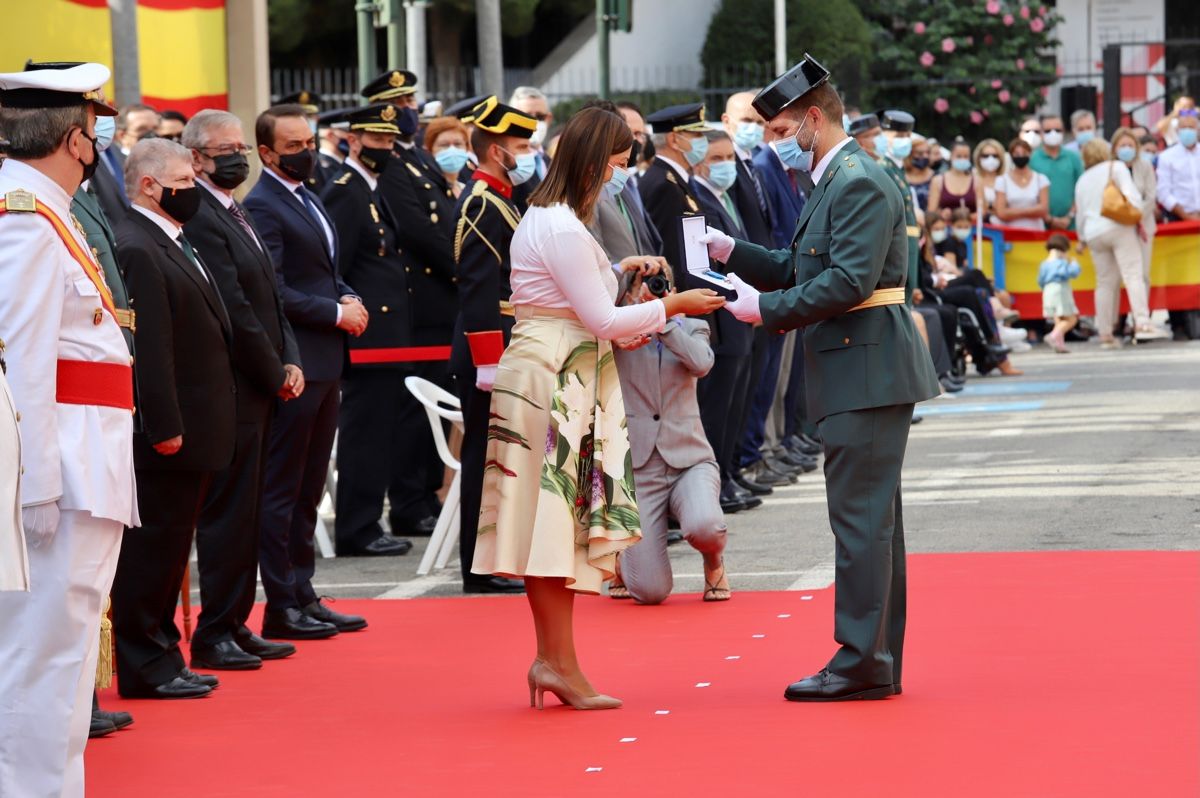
point(422, 204)
point(310, 101)
point(322, 309)
point(679, 145)
point(843, 280)
point(379, 418)
point(486, 219)
point(266, 365)
point(184, 375)
point(729, 377)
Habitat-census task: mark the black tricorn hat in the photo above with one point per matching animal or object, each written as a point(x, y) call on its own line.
point(464, 108)
point(790, 86)
point(862, 124)
point(504, 120)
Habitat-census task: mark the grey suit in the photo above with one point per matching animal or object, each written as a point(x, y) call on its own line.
point(673, 465)
point(622, 233)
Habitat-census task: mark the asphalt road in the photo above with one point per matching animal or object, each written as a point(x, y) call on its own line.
point(1092, 450)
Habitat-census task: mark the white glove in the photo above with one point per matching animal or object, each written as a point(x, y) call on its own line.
point(745, 307)
point(720, 246)
point(485, 377)
point(40, 522)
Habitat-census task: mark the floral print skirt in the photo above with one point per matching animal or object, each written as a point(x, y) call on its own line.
point(558, 494)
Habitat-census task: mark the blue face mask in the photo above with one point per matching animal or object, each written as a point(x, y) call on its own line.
point(1150, 158)
point(106, 128)
point(961, 164)
point(1187, 137)
point(526, 166)
point(1084, 136)
point(616, 184)
point(748, 135)
point(722, 174)
point(698, 151)
point(846, 122)
point(901, 147)
point(792, 154)
point(1127, 153)
point(451, 160)
point(881, 144)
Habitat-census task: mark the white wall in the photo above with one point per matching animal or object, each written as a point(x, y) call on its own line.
point(662, 52)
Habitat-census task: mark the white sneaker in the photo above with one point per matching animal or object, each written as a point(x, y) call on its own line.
point(1011, 334)
point(1150, 333)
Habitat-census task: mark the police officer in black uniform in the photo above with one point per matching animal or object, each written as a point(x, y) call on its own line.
point(484, 223)
point(423, 204)
point(378, 420)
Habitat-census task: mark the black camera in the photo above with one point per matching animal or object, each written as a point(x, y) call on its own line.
point(657, 285)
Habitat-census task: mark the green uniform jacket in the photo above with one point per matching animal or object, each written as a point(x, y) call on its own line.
point(850, 240)
point(910, 218)
point(86, 209)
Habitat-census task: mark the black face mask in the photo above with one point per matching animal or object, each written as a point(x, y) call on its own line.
point(1020, 161)
point(375, 158)
point(648, 150)
point(343, 146)
point(920, 163)
point(181, 204)
point(231, 170)
point(89, 169)
point(634, 152)
point(298, 165)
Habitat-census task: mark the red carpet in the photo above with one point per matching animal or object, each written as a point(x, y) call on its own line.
point(1049, 674)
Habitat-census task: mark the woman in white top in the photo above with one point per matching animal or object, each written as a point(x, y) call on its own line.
point(1022, 195)
point(1127, 149)
point(989, 167)
point(558, 494)
point(1116, 251)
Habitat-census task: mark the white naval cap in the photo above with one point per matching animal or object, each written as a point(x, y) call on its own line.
point(56, 85)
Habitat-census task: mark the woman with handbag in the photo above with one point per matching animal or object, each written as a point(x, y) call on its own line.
point(558, 492)
point(1108, 212)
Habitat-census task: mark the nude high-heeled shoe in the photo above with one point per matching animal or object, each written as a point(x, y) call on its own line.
point(543, 678)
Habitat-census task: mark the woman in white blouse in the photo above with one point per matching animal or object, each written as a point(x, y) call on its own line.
point(558, 494)
point(1116, 247)
point(1022, 195)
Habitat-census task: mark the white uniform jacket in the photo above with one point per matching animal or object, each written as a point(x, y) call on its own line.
point(14, 567)
point(78, 455)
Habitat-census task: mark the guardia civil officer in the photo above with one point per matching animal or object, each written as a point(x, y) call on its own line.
point(422, 203)
point(843, 280)
point(379, 420)
point(72, 387)
point(897, 127)
point(484, 223)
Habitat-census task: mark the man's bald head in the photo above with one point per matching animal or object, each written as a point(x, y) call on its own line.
point(739, 109)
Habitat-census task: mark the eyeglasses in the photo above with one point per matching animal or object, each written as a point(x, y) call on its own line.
point(227, 149)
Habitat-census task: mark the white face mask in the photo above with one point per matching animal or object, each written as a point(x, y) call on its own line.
point(1032, 138)
point(989, 163)
point(539, 135)
point(1053, 139)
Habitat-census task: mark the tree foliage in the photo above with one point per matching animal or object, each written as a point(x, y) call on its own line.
point(963, 67)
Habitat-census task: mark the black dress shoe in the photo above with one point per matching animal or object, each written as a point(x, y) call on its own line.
point(770, 465)
point(119, 720)
point(674, 536)
point(292, 624)
point(263, 649)
point(344, 623)
point(178, 687)
point(749, 500)
point(802, 444)
point(224, 656)
point(754, 488)
point(382, 546)
point(897, 689)
point(101, 726)
point(828, 686)
point(806, 463)
point(950, 387)
point(764, 476)
point(211, 682)
point(730, 503)
point(419, 528)
point(493, 584)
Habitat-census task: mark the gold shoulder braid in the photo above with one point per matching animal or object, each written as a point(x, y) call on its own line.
point(466, 223)
point(104, 663)
point(344, 179)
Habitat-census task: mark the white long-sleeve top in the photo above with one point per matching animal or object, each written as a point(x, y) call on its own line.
point(78, 455)
point(1179, 178)
point(557, 264)
point(1089, 198)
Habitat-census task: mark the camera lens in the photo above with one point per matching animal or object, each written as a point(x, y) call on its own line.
point(657, 285)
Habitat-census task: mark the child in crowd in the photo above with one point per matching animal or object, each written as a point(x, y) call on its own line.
point(1058, 303)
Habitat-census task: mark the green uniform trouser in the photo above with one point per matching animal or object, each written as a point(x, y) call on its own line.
point(864, 452)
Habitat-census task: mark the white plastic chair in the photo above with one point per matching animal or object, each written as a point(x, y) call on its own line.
point(440, 406)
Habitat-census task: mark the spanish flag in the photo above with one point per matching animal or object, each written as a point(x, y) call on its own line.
point(181, 46)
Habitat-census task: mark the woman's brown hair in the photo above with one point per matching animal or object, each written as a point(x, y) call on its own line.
point(591, 137)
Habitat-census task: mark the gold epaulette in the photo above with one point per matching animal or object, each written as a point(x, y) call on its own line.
point(413, 169)
point(344, 179)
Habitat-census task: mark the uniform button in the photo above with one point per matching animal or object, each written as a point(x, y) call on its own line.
point(22, 470)
point(18, 415)
point(383, 309)
point(845, 340)
point(656, 416)
point(433, 217)
point(428, 270)
point(407, 269)
point(410, 290)
point(812, 251)
point(427, 185)
point(432, 205)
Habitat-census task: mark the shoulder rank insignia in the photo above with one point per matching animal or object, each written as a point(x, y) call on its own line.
point(344, 179)
point(374, 213)
point(413, 169)
point(692, 206)
point(671, 176)
point(20, 201)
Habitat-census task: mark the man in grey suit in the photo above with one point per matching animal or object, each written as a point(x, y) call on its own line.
point(674, 467)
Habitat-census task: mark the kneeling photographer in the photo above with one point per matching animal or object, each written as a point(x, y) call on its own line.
point(674, 468)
